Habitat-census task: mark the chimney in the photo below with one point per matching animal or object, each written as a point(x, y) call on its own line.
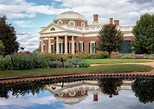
point(111, 20)
point(116, 22)
point(95, 18)
point(95, 97)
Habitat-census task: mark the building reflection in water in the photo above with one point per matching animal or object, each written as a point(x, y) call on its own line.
point(74, 92)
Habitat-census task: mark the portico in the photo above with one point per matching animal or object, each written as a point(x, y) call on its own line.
point(60, 45)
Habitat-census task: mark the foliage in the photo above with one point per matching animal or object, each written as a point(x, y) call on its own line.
point(21, 89)
point(70, 63)
point(84, 64)
point(22, 62)
point(6, 64)
point(134, 56)
point(110, 39)
point(110, 86)
point(8, 37)
point(1, 46)
point(55, 64)
point(144, 89)
point(144, 33)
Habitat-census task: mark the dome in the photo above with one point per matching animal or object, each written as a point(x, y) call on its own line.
point(70, 15)
point(71, 100)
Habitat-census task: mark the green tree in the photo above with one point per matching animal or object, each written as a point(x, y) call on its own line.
point(144, 33)
point(110, 39)
point(8, 37)
point(144, 89)
point(1, 46)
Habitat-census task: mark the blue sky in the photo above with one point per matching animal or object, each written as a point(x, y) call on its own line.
point(28, 16)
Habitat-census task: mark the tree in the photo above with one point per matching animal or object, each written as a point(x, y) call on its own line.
point(110, 39)
point(8, 37)
point(110, 86)
point(144, 33)
point(144, 89)
point(1, 46)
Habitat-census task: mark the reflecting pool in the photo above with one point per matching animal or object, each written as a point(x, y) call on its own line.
point(107, 93)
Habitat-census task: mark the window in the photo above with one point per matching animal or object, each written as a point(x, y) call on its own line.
point(71, 23)
point(82, 24)
point(59, 22)
point(92, 47)
point(43, 47)
point(52, 48)
point(81, 46)
point(60, 94)
point(72, 93)
point(52, 29)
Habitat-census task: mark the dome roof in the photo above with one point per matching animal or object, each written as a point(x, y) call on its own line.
point(70, 15)
point(71, 100)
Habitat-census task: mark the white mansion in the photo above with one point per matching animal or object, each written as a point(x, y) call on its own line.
point(70, 33)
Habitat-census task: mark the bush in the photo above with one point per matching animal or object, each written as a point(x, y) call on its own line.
point(67, 64)
point(6, 64)
point(55, 64)
point(28, 61)
point(84, 64)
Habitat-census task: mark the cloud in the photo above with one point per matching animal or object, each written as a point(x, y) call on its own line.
point(28, 41)
point(23, 23)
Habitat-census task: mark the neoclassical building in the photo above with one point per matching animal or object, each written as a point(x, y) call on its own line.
point(70, 33)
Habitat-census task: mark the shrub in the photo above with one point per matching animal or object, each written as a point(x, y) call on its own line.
point(125, 56)
point(6, 64)
point(67, 64)
point(28, 61)
point(84, 64)
point(55, 64)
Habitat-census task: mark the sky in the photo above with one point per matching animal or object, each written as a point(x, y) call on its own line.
point(28, 16)
point(45, 100)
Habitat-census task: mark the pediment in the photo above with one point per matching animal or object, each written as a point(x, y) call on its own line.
point(52, 28)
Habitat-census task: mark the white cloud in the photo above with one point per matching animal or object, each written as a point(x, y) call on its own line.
point(28, 41)
point(23, 23)
point(127, 11)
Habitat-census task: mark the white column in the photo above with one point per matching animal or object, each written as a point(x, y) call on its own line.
point(66, 45)
point(72, 44)
point(57, 45)
point(49, 45)
point(42, 45)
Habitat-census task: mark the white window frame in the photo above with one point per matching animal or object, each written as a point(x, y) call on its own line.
point(59, 22)
point(83, 24)
point(71, 22)
point(92, 50)
point(81, 43)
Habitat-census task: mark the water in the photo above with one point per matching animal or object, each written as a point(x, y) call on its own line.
point(85, 94)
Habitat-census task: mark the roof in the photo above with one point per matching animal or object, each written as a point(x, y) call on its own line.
point(71, 15)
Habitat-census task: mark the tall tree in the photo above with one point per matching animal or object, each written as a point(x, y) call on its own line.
point(144, 89)
point(144, 33)
point(110, 39)
point(1, 46)
point(8, 36)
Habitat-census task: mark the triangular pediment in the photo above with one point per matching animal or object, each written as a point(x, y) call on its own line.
point(52, 28)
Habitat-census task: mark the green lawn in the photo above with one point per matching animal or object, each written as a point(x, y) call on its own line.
point(58, 71)
point(117, 61)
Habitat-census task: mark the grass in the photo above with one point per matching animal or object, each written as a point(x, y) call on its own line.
point(116, 61)
point(58, 71)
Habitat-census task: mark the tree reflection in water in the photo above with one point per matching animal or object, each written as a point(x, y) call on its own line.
point(110, 86)
point(143, 88)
